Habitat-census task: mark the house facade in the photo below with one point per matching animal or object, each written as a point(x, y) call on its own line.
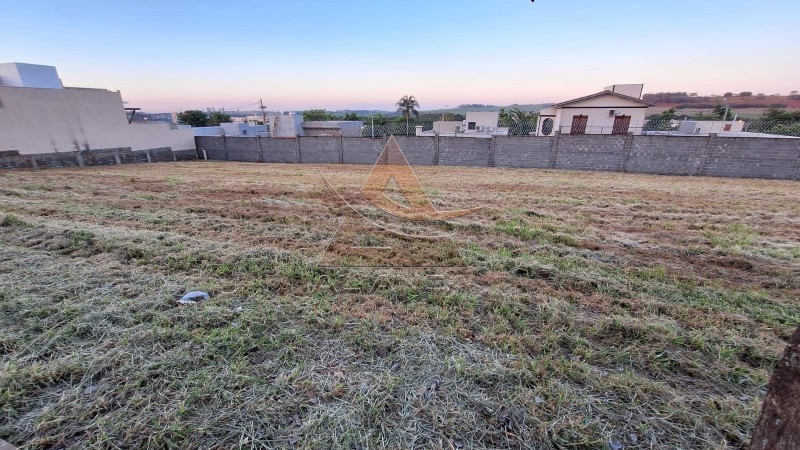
point(617, 109)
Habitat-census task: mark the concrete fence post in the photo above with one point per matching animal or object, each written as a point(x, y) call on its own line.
point(436, 150)
point(341, 149)
point(626, 152)
point(225, 146)
point(299, 152)
point(712, 140)
point(79, 157)
point(554, 149)
point(492, 141)
point(33, 162)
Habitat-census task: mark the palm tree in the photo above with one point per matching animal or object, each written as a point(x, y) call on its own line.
point(518, 115)
point(407, 106)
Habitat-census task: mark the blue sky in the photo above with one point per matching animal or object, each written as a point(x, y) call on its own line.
point(170, 55)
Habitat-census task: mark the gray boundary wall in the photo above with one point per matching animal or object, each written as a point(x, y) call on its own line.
point(739, 157)
point(98, 157)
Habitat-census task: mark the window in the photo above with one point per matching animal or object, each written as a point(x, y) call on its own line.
point(244, 132)
point(547, 127)
point(621, 125)
point(579, 124)
point(470, 125)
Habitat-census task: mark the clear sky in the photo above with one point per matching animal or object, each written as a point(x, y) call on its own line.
point(169, 55)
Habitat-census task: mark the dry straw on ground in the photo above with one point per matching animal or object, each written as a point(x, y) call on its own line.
point(596, 310)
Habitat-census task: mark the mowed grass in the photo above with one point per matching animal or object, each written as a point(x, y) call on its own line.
point(594, 310)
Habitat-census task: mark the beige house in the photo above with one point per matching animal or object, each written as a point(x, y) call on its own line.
point(618, 109)
point(39, 115)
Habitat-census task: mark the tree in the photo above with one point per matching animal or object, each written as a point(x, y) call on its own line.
point(517, 115)
point(310, 115)
point(504, 117)
point(407, 106)
point(378, 119)
point(194, 118)
point(745, 94)
point(668, 114)
point(728, 94)
point(351, 116)
point(721, 111)
point(781, 114)
point(218, 118)
point(794, 93)
point(718, 113)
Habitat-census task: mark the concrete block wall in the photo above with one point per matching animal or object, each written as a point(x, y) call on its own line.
point(15, 161)
point(97, 157)
point(243, 149)
point(162, 154)
point(280, 150)
point(212, 147)
point(419, 150)
point(590, 152)
point(456, 151)
point(184, 155)
point(520, 151)
point(321, 149)
point(668, 155)
point(102, 157)
point(362, 150)
point(753, 158)
point(134, 157)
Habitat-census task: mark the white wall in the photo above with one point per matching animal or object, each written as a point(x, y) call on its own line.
point(446, 126)
point(34, 120)
point(29, 75)
point(482, 119)
point(285, 125)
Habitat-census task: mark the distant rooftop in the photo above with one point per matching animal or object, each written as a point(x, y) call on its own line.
point(29, 75)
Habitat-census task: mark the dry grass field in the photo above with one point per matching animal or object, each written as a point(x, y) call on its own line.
point(594, 310)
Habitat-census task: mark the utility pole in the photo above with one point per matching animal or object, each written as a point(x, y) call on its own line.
point(263, 114)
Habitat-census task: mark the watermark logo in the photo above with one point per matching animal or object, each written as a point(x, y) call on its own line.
point(392, 222)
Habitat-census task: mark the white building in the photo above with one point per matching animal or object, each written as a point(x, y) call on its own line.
point(285, 125)
point(350, 128)
point(232, 129)
point(477, 124)
point(39, 115)
point(617, 109)
point(243, 129)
